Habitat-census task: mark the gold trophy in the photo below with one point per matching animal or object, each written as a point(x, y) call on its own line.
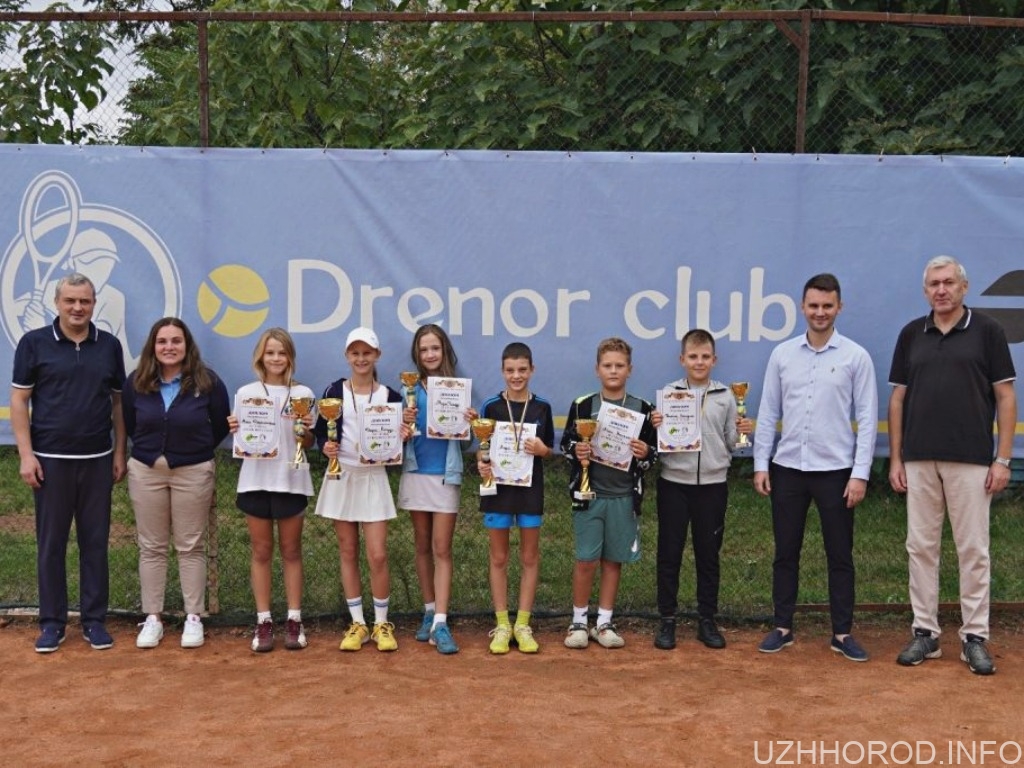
point(585, 428)
point(409, 380)
point(330, 409)
point(483, 429)
point(739, 391)
point(301, 407)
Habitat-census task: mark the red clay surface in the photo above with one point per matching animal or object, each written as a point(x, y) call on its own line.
point(224, 705)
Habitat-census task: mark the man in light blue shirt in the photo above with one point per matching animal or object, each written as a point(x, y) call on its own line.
point(815, 384)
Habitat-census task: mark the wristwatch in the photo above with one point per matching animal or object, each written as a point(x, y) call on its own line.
point(1001, 460)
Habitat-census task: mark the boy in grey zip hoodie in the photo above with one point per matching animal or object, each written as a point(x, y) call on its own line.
point(693, 493)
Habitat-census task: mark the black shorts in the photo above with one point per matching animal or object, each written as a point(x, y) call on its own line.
point(271, 505)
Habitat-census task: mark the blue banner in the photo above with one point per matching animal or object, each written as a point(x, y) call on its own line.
point(555, 250)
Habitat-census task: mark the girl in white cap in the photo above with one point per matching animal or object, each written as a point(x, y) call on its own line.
point(361, 496)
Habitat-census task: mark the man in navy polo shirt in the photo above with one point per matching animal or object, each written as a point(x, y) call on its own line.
point(71, 375)
point(951, 373)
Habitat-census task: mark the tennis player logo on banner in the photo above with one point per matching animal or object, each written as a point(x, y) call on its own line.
point(59, 233)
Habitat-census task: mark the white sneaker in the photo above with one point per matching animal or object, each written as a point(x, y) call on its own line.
point(577, 636)
point(192, 636)
point(607, 636)
point(150, 634)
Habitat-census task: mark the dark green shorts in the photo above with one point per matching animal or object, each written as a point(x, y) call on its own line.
point(608, 530)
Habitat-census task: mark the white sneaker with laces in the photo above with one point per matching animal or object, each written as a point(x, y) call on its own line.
point(150, 633)
point(607, 636)
point(192, 635)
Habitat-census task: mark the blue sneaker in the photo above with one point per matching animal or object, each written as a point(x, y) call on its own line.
point(98, 637)
point(423, 633)
point(441, 637)
point(850, 648)
point(775, 641)
point(49, 639)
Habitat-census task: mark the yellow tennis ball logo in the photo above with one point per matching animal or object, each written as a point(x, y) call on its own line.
point(233, 300)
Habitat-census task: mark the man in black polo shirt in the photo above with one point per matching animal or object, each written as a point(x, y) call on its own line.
point(71, 374)
point(952, 373)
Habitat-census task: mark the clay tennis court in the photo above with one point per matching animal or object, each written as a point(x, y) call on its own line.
point(223, 705)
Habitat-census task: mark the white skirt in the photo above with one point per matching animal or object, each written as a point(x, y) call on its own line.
point(360, 495)
point(427, 493)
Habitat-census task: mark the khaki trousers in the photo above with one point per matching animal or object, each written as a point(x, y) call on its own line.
point(171, 502)
point(935, 488)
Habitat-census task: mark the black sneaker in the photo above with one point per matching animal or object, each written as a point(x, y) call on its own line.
point(976, 655)
point(922, 647)
point(666, 637)
point(707, 633)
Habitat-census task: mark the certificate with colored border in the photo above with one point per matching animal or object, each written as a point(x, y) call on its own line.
point(380, 434)
point(447, 401)
point(258, 428)
point(680, 420)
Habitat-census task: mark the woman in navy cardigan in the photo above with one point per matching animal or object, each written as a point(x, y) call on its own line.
point(176, 412)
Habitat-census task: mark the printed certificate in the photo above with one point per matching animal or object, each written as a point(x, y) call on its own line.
point(258, 435)
point(447, 401)
point(680, 420)
point(616, 426)
point(510, 463)
point(380, 434)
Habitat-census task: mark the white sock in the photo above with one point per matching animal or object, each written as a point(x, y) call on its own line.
point(294, 614)
point(355, 607)
point(604, 616)
point(262, 616)
point(579, 615)
point(440, 618)
point(154, 617)
point(429, 607)
point(380, 609)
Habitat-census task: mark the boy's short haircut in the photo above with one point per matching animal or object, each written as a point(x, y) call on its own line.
point(697, 337)
point(615, 344)
point(517, 351)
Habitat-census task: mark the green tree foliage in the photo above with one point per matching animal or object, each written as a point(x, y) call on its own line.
point(59, 76)
point(300, 84)
point(722, 86)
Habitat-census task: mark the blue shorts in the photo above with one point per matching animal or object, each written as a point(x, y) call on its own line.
point(502, 521)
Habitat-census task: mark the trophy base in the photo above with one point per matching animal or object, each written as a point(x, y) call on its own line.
point(298, 465)
point(488, 490)
point(332, 477)
point(584, 495)
point(742, 444)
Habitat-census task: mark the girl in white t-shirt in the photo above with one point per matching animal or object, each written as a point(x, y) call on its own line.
point(359, 499)
point(272, 488)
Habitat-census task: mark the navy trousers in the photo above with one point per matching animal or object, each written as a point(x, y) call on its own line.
point(73, 490)
point(792, 494)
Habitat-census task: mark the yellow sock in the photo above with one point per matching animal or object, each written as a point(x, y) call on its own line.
point(523, 619)
point(502, 617)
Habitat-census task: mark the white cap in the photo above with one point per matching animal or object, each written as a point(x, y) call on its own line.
point(364, 335)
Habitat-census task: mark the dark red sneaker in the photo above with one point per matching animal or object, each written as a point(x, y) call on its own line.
point(263, 637)
point(294, 635)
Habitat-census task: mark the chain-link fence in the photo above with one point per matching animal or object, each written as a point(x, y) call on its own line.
point(769, 81)
point(809, 81)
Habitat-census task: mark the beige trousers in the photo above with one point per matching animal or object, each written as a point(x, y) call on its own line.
point(935, 488)
point(171, 502)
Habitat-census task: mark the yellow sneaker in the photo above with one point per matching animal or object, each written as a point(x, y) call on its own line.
point(384, 636)
point(500, 635)
point(355, 638)
point(524, 639)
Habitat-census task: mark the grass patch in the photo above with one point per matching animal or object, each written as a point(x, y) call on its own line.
point(746, 554)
